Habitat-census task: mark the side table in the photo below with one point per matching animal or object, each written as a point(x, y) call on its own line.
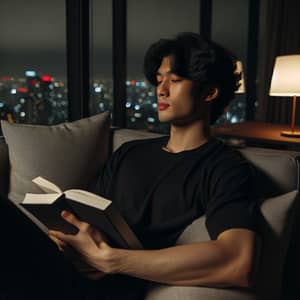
point(258, 134)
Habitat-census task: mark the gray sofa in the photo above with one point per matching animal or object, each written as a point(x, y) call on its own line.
point(277, 189)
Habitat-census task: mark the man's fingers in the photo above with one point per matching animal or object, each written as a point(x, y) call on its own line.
point(69, 217)
point(60, 244)
point(66, 238)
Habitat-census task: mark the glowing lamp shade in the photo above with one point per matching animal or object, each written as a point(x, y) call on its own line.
point(286, 82)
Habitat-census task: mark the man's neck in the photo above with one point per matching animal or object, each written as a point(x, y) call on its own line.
point(187, 137)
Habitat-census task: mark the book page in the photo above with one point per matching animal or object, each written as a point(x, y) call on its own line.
point(88, 198)
point(40, 198)
point(46, 185)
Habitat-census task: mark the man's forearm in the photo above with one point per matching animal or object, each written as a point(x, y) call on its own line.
point(206, 263)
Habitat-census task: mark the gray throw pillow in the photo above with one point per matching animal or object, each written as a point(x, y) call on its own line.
point(70, 155)
point(275, 224)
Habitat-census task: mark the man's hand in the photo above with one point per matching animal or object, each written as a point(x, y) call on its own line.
point(88, 249)
point(81, 267)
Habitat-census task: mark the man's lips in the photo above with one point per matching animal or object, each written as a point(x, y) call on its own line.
point(162, 106)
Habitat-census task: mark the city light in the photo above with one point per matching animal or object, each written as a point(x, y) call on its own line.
point(30, 73)
point(22, 90)
point(151, 120)
point(33, 82)
point(138, 115)
point(27, 100)
point(46, 78)
point(234, 119)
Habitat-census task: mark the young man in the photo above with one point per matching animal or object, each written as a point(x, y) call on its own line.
point(162, 185)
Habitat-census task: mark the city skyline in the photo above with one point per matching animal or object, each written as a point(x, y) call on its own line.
point(43, 99)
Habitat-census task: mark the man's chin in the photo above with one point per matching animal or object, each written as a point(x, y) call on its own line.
point(164, 119)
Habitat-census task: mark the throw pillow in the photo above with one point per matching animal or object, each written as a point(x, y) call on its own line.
point(70, 155)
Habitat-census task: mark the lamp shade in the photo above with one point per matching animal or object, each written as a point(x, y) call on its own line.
point(286, 76)
point(239, 69)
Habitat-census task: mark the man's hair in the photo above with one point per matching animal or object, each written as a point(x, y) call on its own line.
point(204, 62)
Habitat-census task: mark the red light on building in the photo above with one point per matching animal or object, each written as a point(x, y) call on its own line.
point(132, 82)
point(46, 78)
point(33, 81)
point(22, 90)
point(4, 78)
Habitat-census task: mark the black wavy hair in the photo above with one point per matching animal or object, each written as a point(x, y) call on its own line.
point(200, 60)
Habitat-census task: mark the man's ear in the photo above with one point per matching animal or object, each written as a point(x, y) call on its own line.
point(212, 94)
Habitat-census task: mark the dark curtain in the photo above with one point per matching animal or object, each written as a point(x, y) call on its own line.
point(281, 36)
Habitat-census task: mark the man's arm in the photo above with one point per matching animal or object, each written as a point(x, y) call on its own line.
point(226, 261)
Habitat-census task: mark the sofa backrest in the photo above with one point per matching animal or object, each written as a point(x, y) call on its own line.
point(277, 172)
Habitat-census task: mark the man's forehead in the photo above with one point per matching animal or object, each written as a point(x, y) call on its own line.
point(165, 66)
point(162, 71)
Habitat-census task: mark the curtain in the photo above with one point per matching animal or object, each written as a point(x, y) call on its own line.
point(280, 36)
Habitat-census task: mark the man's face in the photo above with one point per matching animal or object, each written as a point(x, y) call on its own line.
point(176, 103)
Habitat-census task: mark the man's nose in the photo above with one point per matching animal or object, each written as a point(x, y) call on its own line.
point(163, 89)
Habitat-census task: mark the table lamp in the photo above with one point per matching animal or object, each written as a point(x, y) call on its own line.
point(286, 82)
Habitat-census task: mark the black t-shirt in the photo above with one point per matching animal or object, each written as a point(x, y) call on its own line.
point(160, 193)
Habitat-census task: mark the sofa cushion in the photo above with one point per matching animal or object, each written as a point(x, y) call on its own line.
point(164, 292)
point(120, 136)
point(275, 225)
point(70, 154)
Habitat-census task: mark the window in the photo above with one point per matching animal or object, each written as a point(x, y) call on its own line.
point(101, 56)
point(33, 61)
point(230, 29)
point(148, 21)
point(33, 73)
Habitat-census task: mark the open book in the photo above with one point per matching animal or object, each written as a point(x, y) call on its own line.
point(86, 206)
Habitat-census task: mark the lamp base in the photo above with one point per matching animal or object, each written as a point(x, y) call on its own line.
point(290, 133)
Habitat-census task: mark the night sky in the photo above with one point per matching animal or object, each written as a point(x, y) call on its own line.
point(33, 32)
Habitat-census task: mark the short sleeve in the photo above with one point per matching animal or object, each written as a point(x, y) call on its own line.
point(232, 202)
